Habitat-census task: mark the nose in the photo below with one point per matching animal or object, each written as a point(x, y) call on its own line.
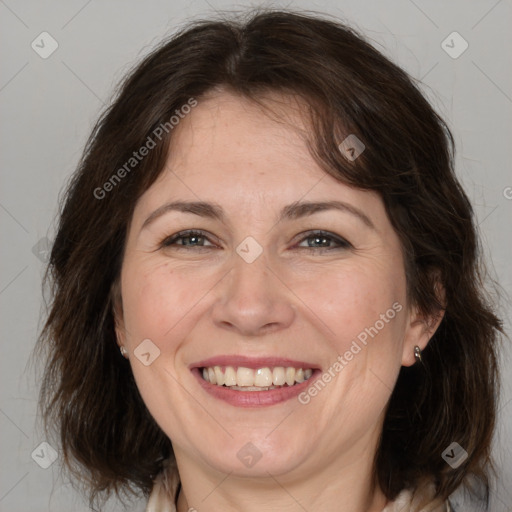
point(253, 301)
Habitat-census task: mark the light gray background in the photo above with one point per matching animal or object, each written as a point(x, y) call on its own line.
point(48, 106)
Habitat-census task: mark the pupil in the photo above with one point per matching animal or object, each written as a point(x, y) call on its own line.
point(320, 240)
point(192, 239)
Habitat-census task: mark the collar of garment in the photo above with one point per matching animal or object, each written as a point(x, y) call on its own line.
point(165, 488)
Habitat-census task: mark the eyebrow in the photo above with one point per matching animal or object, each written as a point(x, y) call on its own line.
point(292, 211)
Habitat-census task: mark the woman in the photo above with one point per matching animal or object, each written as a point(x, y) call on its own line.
point(267, 291)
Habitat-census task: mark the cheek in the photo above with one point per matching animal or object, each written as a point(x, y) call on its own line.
point(155, 300)
point(351, 300)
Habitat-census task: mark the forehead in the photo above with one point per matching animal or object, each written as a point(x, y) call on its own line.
point(247, 157)
point(243, 136)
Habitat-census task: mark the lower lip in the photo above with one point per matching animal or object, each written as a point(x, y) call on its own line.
point(254, 398)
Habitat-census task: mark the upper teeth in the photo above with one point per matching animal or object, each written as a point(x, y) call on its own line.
point(261, 377)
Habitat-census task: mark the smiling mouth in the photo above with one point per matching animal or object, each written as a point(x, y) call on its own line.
point(240, 378)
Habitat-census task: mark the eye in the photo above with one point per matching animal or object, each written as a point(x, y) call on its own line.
point(324, 240)
point(316, 240)
point(188, 238)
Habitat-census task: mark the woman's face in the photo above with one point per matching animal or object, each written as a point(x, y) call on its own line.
point(259, 294)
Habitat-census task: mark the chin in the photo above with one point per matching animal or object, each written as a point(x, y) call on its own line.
point(257, 455)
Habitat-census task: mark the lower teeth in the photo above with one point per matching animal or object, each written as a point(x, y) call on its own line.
point(251, 388)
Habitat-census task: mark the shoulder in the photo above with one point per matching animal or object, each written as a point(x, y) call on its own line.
point(165, 488)
point(421, 499)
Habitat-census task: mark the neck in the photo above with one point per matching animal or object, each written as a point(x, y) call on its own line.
point(348, 483)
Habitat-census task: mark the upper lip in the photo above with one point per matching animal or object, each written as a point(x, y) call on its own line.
point(252, 362)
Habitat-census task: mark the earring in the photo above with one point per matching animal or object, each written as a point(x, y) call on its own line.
point(417, 354)
point(124, 352)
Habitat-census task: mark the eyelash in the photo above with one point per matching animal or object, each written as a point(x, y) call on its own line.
point(189, 233)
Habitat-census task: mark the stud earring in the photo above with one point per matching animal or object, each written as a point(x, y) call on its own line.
point(124, 352)
point(417, 354)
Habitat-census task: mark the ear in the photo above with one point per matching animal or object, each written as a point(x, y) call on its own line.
point(117, 312)
point(420, 328)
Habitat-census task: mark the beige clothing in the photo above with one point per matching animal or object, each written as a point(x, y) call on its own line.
point(164, 495)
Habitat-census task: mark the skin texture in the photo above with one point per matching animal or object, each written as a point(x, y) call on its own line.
point(306, 303)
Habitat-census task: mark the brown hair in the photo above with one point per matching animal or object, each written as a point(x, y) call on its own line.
point(88, 394)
